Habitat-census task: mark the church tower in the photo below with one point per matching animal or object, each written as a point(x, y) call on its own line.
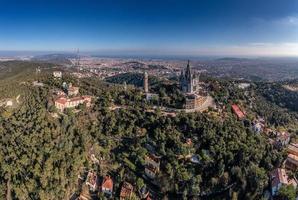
point(146, 87)
point(186, 80)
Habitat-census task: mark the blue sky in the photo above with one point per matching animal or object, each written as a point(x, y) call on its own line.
point(165, 27)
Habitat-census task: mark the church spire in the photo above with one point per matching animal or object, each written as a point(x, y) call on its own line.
point(188, 72)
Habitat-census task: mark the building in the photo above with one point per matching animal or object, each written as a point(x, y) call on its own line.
point(57, 74)
point(91, 180)
point(292, 159)
point(292, 162)
point(194, 101)
point(152, 165)
point(278, 178)
point(293, 149)
point(188, 80)
point(283, 139)
point(59, 93)
point(237, 111)
point(258, 127)
point(146, 86)
point(107, 186)
point(126, 191)
point(243, 85)
point(72, 91)
point(62, 102)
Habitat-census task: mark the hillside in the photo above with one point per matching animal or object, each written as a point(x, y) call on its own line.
point(121, 129)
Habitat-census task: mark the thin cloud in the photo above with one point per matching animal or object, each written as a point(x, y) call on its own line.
point(287, 21)
point(291, 20)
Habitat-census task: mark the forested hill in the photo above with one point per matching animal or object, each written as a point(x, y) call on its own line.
point(14, 74)
point(278, 94)
point(54, 150)
point(42, 151)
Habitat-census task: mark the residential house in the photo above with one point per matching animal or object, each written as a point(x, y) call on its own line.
point(92, 180)
point(293, 149)
point(258, 127)
point(282, 139)
point(292, 159)
point(126, 191)
point(152, 165)
point(107, 186)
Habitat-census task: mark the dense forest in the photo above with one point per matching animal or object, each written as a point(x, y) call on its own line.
point(41, 155)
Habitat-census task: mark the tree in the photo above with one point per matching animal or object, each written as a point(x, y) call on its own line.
point(287, 192)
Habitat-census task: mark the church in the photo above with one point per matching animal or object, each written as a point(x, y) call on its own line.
point(188, 81)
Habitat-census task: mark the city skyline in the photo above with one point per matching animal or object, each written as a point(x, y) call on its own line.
point(183, 28)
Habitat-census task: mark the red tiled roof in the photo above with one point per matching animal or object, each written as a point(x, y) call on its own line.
point(61, 100)
point(237, 111)
point(107, 183)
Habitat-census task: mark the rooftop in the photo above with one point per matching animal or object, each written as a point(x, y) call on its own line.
point(126, 190)
point(237, 111)
point(107, 183)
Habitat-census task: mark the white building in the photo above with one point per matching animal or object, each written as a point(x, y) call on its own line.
point(57, 74)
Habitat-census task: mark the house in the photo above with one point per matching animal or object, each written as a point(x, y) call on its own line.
point(293, 149)
point(152, 165)
point(278, 178)
point(107, 186)
point(258, 127)
point(91, 180)
point(126, 191)
point(62, 102)
point(292, 159)
point(291, 162)
point(282, 139)
point(72, 91)
point(237, 111)
point(57, 74)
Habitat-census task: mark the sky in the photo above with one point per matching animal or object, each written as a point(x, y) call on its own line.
point(152, 27)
